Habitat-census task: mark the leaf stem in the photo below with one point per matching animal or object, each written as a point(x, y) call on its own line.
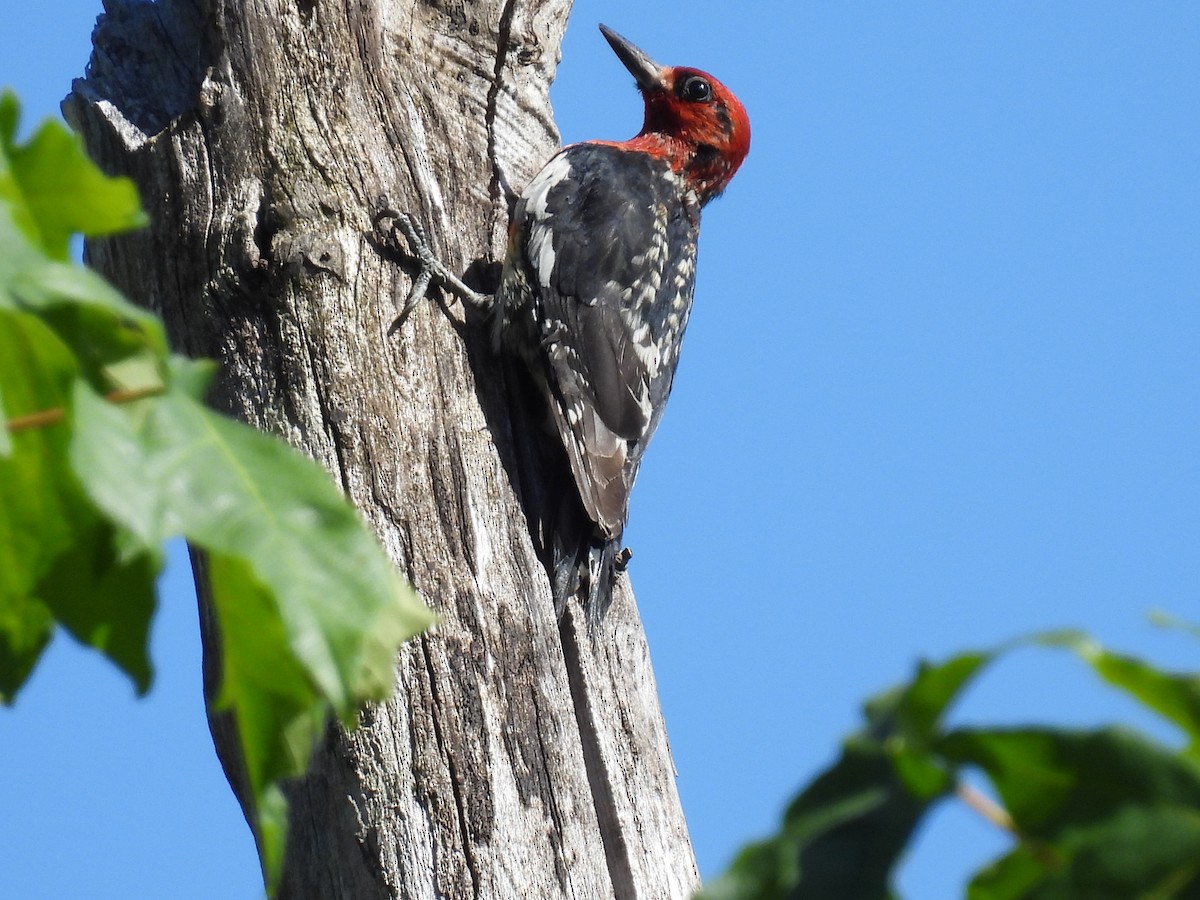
point(46, 417)
point(986, 807)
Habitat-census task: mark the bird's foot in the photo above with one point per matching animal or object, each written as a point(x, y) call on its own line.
point(430, 268)
point(621, 562)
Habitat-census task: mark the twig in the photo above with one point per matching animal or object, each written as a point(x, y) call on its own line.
point(46, 417)
point(986, 807)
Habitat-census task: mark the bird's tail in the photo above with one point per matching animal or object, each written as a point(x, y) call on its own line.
point(580, 561)
point(585, 565)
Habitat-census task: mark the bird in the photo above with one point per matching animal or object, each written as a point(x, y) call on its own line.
point(594, 296)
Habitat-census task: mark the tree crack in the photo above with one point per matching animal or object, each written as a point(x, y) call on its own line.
point(497, 185)
point(616, 850)
point(460, 803)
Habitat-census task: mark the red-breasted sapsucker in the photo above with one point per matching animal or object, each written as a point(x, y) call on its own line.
point(593, 300)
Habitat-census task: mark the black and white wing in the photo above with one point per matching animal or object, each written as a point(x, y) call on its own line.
point(605, 240)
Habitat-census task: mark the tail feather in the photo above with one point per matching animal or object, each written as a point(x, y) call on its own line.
point(586, 568)
point(579, 560)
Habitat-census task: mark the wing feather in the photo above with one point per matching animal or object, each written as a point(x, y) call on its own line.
point(600, 233)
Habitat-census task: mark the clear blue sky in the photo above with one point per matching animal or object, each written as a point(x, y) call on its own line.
point(941, 387)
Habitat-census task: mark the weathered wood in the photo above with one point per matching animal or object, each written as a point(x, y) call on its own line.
point(521, 756)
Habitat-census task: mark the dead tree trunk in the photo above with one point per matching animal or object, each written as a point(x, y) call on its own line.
point(521, 756)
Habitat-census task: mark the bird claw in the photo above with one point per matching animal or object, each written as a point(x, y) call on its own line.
point(430, 268)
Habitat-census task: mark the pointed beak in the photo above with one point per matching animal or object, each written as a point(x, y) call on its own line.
point(649, 74)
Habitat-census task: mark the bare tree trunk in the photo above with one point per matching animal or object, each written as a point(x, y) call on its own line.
point(520, 757)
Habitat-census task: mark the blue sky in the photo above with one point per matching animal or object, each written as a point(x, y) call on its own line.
point(940, 388)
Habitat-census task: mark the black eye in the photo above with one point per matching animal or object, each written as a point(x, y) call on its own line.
point(695, 89)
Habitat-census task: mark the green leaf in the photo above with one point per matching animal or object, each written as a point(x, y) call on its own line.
point(25, 629)
point(103, 329)
point(1051, 780)
point(1014, 876)
point(104, 596)
point(56, 554)
point(1138, 851)
point(921, 772)
point(906, 719)
point(310, 610)
point(10, 117)
point(17, 254)
point(840, 839)
point(56, 191)
point(191, 377)
point(763, 870)
point(855, 857)
point(1100, 814)
point(1152, 853)
point(843, 835)
point(272, 809)
point(1164, 620)
point(344, 607)
point(109, 457)
point(278, 712)
point(1173, 695)
point(36, 499)
point(921, 707)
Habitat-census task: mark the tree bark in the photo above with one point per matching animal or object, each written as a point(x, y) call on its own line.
point(521, 756)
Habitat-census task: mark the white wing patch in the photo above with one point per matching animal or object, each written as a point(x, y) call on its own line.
point(541, 253)
point(537, 192)
point(536, 200)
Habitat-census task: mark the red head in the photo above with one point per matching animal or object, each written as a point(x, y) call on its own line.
point(691, 119)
